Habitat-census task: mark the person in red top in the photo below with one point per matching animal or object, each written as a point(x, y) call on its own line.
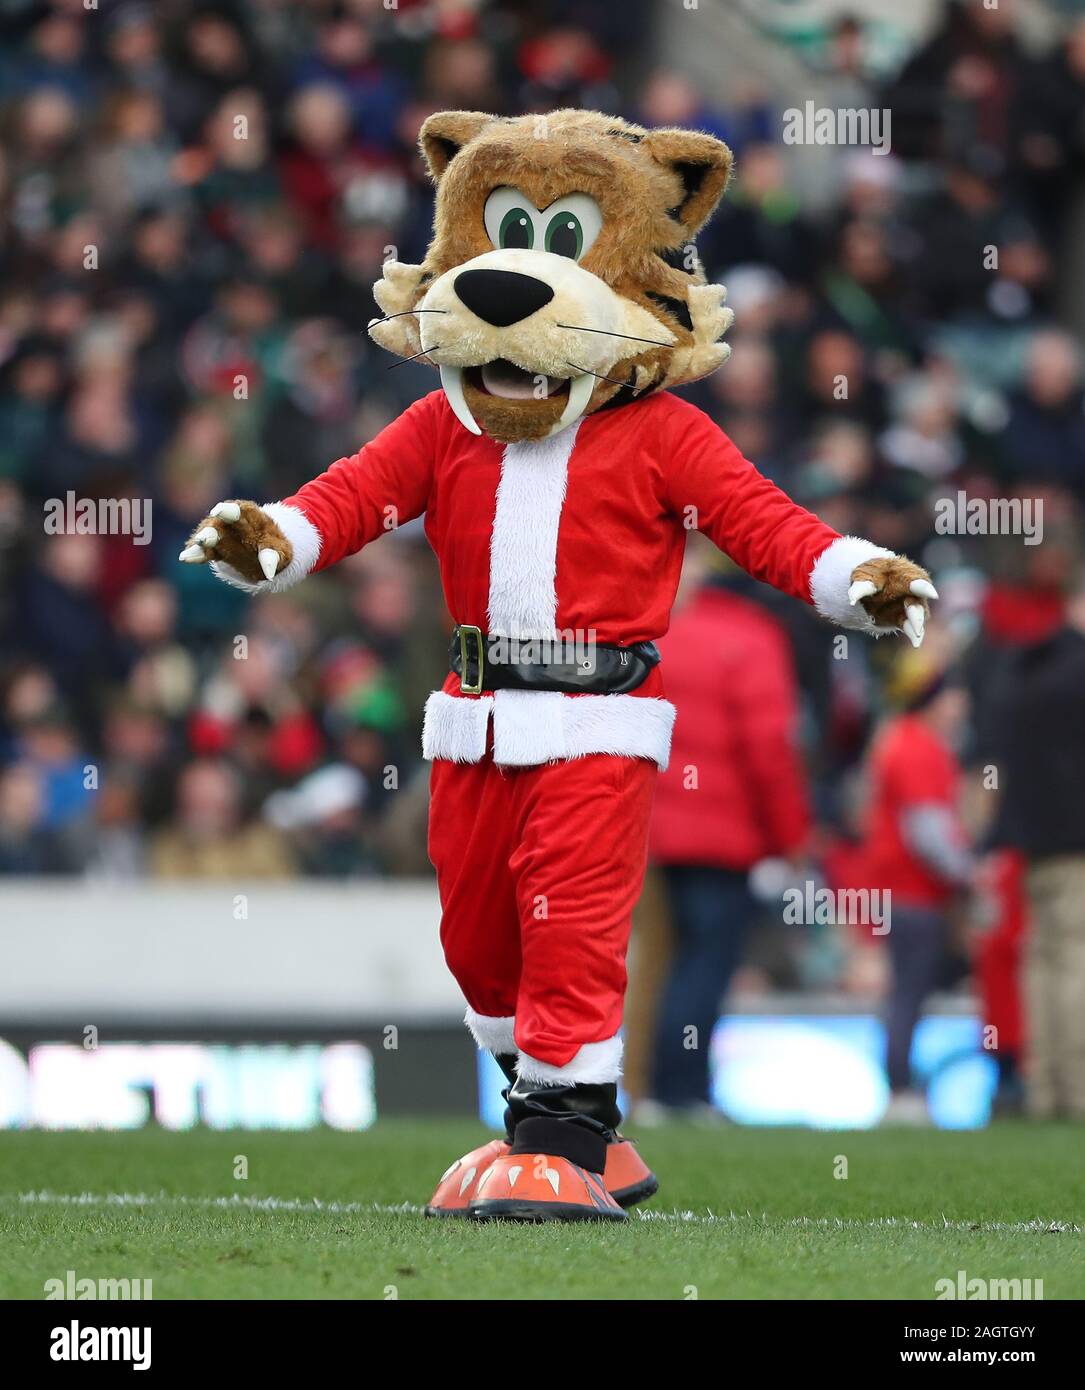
point(917, 855)
point(734, 794)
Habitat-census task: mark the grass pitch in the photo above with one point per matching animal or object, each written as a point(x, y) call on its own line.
point(741, 1213)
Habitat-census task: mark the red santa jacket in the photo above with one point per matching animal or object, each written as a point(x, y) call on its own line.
point(582, 532)
point(735, 791)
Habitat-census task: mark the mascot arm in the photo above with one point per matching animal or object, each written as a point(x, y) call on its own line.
point(851, 581)
point(270, 547)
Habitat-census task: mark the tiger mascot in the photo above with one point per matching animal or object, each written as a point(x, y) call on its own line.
point(561, 296)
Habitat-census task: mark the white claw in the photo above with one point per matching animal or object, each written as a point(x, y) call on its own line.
point(914, 623)
point(269, 562)
point(227, 511)
point(208, 536)
point(923, 588)
point(862, 588)
point(193, 555)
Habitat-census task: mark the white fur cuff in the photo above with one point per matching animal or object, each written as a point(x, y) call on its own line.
point(491, 1034)
point(830, 580)
point(594, 1065)
point(302, 535)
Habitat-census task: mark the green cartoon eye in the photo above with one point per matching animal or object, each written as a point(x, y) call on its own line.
point(568, 227)
point(565, 236)
point(517, 231)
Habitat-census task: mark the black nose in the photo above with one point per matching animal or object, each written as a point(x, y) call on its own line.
point(502, 297)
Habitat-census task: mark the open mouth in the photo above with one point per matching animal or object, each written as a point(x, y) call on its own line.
point(512, 383)
point(506, 381)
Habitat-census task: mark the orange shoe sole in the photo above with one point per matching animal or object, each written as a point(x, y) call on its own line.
point(639, 1192)
point(509, 1209)
point(622, 1155)
point(594, 1202)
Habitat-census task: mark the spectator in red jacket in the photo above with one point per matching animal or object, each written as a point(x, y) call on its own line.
point(734, 794)
point(999, 947)
point(917, 854)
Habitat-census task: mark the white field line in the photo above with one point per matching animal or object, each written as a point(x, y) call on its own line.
point(1038, 1226)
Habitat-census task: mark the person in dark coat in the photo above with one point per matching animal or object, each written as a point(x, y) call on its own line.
point(1041, 724)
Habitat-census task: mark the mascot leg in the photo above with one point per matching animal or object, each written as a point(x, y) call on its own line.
point(470, 841)
point(580, 831)
point(473, 840)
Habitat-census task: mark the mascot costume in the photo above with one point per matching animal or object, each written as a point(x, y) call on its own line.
point(561, 296)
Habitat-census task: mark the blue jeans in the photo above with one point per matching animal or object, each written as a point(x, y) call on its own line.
point(710, 910)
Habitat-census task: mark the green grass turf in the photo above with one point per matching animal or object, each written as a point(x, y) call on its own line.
point(742, 1213)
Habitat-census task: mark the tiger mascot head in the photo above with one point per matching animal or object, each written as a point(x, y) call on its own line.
point(562, 275)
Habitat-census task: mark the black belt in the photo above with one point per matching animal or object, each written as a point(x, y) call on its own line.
point(486, 662)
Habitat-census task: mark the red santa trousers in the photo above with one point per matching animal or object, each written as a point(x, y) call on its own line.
point(539, 869)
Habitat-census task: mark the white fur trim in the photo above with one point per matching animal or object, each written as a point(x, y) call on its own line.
point(532, 727)
point(302, 535)
point(528, 728)
point(594, 1065)
point(491, 1034)
point(455, 727)
point(524, 540)
point(830, 580)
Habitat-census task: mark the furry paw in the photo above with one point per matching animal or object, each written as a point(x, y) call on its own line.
point(243, 536)
point(895, 593)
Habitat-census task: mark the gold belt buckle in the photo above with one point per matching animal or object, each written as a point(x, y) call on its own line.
point(470, 687)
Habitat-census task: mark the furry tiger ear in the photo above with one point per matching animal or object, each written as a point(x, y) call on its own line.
point(445, 133)
point(702, 165)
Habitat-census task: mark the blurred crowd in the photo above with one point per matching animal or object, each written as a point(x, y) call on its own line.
point(196, 200)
